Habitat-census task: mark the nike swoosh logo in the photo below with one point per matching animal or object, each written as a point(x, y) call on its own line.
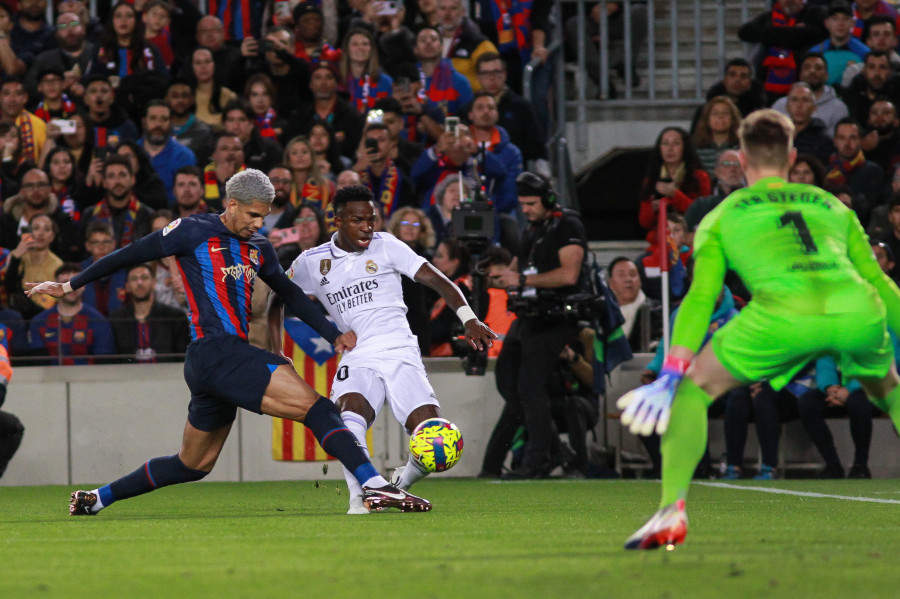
point(219, 249)
point(397, 496)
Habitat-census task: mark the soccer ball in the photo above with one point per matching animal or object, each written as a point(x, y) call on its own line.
point(436, 445)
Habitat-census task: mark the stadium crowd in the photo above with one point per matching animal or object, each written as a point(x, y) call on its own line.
point(112, 126)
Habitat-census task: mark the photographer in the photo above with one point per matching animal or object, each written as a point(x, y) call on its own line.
point(546, 271)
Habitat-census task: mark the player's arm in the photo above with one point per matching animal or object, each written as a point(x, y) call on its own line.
point(477, 333)
point(274, 321)
point(146, 249)
point(860, 253)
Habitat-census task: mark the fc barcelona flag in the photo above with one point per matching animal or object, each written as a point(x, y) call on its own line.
point(316, 362)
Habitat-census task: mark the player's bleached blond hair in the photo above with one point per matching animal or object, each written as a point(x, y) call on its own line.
point(250, 186)
point(766, 139)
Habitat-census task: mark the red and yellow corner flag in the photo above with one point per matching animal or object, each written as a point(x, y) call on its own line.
point(316, 362)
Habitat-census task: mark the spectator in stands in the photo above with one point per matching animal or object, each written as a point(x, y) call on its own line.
point(786, 32)
point(31, 34)
point(72, 56)
point(515, 114)
point(33, 199)
point(107, 124)
point(389, 184)
point(15, 160)
point(810, 134)
point(807, 169)
point(876, 80)
point(260, 92)
point(462, 40)
point(392, 116)
point(188, 191)
point(451, 258)
point(130, 219)
point(455, 154)
point(30, 260)
point(829, 108)
point(311, 231)
point(729, 176)
point(227, 159)
point(444, 85)
point(867, 10)
point(145, 329)
point(892, 237)
point(447, 198)
point(123, 52)
point(883, 255)
point(93, 27)
point(156, 17)
point(490, 137)
point(66, 181)
point(328, 106)
point(841, 49)
point(674, 251)
point(290, 75)
point(850, 167)
point(169, 287)
point(148, 187)
point(308, 29)
point(188, 130)
point(52, 102)
point(281, 213)
point(309, 184)
point(348, 178)
point(71, 332)
point(519, 31)
point(166, 154)
point(625, 283)
point(422, 119)
point(881, 137)
point(106, 294)
point(210, 93)
point(675, 174)
point(716, 131)
point(366, 83)
point(229, 58)
point(328, 156)
point(9, 61)
point(738, 84)
point(12, 110)
point(260, 152)
point(881, 36)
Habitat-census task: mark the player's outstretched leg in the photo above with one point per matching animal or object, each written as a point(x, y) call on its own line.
point(198, 448)
point(357, 425)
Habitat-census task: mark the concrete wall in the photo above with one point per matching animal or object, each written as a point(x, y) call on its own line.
point(588, 141)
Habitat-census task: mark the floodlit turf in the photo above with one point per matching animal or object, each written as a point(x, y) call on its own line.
point(483, 539)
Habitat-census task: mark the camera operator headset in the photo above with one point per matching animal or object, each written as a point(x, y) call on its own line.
point(549, 268)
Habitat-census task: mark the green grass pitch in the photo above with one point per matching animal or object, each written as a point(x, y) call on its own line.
point(483, 539)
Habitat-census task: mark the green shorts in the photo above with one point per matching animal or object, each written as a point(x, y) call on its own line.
point(763, 345)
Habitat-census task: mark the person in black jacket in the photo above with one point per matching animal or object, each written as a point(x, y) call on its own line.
point(145, 330)
point(738, 84)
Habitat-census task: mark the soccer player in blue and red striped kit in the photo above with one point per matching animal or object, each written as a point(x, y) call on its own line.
point(219, 256)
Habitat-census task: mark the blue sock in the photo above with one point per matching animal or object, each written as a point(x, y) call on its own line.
point(154, 474)
point(324, 420)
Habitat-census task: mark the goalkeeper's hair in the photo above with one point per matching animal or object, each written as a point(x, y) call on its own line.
point(250, 186)
point(766, 139)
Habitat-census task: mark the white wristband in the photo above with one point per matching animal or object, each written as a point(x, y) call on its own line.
point(465, 313)
point(67, 287)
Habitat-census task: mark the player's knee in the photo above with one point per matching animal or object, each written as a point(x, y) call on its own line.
point(356, 403)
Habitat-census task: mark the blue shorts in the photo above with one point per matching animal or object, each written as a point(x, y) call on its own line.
point(223, 373)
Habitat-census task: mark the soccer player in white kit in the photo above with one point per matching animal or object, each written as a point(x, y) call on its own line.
point(356, 276)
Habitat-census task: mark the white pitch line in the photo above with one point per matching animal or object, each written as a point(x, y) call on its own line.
point(798, 493)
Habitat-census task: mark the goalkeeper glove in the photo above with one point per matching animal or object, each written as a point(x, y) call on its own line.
point(647, 408)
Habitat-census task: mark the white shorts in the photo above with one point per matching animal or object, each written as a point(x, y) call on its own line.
point(397, 377)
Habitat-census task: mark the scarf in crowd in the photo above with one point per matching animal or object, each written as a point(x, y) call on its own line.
point(440, 88)
point(67, 110)
point(841, 169)
point(102, 212)
point(235, 16)
point(105, 137)
point(385, 188)
point(201, 208)
point(364, 92)
point(264, 124)
point(780, 64)
point(67, 203)
point(212, 191)
point(313, 192)
point(513, 21)
point(23, 122)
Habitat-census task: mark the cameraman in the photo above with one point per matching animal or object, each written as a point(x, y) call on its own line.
point(551, 256)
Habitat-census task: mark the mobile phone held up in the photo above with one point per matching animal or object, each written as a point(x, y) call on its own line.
point(451, 125)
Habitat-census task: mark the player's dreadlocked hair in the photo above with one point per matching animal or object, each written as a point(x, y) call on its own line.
point(766, 138)
point(250, 186)
point(351, 193)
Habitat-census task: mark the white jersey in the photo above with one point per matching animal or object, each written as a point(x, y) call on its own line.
point(362, 290)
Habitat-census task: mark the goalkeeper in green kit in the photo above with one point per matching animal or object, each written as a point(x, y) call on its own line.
point(817, 290)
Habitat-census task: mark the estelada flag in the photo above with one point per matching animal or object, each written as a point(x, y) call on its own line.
point(316, 362)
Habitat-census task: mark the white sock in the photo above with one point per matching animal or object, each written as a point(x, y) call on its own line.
point(99, 505)
point(412, 474)
point(358, 426)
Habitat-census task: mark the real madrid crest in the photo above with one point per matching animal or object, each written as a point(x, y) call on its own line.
point(371, 267)
point(325, 266)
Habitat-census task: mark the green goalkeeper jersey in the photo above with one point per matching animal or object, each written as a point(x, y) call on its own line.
point(797, 249)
